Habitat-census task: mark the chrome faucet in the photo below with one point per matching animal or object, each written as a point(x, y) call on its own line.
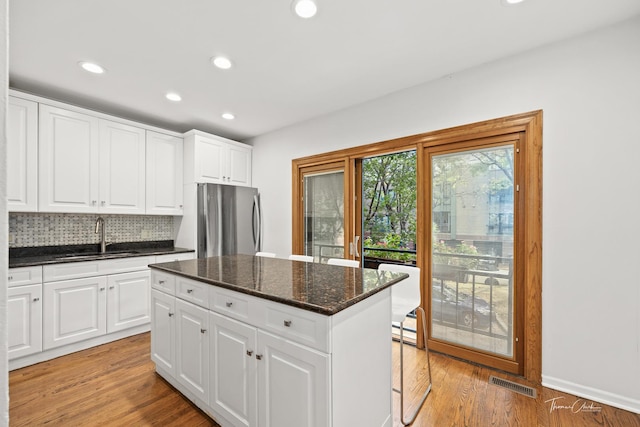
point(100, 225)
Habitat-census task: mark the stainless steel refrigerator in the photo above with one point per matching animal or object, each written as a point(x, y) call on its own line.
point(229, 220)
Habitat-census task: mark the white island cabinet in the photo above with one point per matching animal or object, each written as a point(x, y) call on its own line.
point(255, 361)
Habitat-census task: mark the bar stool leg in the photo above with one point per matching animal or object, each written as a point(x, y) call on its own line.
point(401, 390)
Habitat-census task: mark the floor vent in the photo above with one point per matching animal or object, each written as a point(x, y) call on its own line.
point(518, 388)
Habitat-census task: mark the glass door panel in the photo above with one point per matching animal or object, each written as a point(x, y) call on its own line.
point(472, 248)
point(323, 208)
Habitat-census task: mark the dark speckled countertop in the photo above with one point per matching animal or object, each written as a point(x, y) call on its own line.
point(321, 288)
point(43, 255)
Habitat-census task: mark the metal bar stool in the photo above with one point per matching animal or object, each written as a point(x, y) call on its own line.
point(405, 298)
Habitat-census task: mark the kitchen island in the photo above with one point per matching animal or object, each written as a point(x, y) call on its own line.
point(270, 342)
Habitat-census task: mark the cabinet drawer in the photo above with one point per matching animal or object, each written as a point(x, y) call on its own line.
point(124, 265)
point(163, 282)
point(175, 257)
point(192, 291)
point(297, 325)
point(25, 276)
point(230, 303)
point(71, 270)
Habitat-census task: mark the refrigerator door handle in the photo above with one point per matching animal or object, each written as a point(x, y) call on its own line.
point(207, 226)
point(257, 224)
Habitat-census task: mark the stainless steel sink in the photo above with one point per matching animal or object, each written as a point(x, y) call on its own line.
point(97, 255)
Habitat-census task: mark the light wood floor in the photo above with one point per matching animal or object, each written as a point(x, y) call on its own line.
point(115, 385)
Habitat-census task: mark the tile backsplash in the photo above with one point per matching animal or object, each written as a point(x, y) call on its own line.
point(48, 229)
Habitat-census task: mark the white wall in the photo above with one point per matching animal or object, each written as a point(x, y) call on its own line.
point(4, 83)
point(589, 89)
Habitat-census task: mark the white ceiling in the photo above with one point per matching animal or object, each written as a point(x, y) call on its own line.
point(287, 69)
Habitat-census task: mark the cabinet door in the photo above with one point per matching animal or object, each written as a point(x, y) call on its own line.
point(192, 348)
point(164, 174)
point(239, 166)
point(163, 331)
point(128, 300)
point(122, 168)
point(75, 310)
point(22, 155)
point(210, 160)
point(68, 161)
point(233, 379)
point(293, 383)
point(24, 311)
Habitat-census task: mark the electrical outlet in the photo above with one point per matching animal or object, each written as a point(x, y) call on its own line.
point(145, 234)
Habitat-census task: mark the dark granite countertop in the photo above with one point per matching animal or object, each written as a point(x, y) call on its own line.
point(43, 255)
point(321, 288)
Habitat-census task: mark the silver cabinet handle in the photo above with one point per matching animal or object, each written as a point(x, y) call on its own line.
point(259, 356)
point(287, 323)
point(10, 277)
point(249, 353)
point(102, 289)
point(161, 282)
point(189, 291)
point(229, 304)
point(93, 202)
point(111, 287)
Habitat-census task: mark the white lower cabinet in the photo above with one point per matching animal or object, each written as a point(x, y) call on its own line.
point(128, 300)
point(61, 308)
point(243, 375)
point(80, 309)
point(163, 341)
point(24, 309)
point(233, 370)
point(192, 348)
point(293, 383)
point(75, 309)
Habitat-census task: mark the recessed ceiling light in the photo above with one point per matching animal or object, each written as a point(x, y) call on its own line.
point(511, 2)
point(228, 116)
point(92, 67)
point(305, 8)
point(172, 96)
point(221, 62)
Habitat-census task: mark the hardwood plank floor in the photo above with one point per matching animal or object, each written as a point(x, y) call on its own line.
point(115, 385)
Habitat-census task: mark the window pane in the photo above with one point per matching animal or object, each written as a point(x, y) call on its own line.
point(324, 215)
point(472, 199)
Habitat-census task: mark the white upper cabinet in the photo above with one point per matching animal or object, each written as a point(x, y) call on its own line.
point(213, 159)
point(89, 164)
point(22, 155)
point(68, 161)
point(239, 165)
point(164, 174)
point(122, 168)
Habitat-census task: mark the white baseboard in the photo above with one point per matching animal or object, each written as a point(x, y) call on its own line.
point(594, 394)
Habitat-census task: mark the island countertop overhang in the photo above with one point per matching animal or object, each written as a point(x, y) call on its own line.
point(320, 288)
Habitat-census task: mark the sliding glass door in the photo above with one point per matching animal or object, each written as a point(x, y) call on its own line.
point(322, 212)
point(473, 199)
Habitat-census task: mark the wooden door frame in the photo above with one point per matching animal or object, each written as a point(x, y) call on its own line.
point(515, 363)
point(530, 125)
point(299, 170)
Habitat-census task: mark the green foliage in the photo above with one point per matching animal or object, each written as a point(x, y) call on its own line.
point(390, 241)
point(389, 202)
point(462, 248)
